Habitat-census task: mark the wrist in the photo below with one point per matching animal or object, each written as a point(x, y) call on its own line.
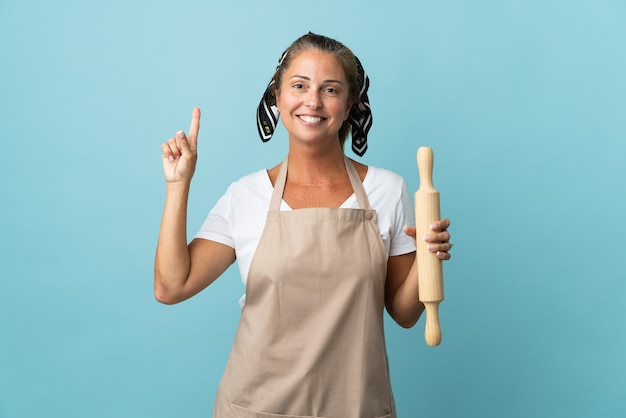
point(177, 188)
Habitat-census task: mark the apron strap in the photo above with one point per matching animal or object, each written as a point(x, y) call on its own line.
point(353, 175)
point(279, 187)
point(357, 185)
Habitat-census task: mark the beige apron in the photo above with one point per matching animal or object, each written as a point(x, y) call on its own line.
point(310, 341)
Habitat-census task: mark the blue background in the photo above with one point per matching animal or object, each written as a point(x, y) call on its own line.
point(523, 102)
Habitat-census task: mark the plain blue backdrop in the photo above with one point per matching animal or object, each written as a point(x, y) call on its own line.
point(523, 102)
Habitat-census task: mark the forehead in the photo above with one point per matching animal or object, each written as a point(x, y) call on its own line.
point(312, 62)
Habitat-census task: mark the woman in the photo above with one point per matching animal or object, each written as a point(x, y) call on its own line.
point(322, 244)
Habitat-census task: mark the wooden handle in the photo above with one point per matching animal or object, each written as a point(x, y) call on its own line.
point(425, 162)
point(430, 272)
point(432, 333)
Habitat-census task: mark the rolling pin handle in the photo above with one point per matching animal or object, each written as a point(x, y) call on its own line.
point(432, 333)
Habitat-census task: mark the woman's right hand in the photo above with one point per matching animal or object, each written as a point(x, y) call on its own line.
point(181, 152)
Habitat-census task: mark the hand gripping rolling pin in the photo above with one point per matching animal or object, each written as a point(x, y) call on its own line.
point(430, 273)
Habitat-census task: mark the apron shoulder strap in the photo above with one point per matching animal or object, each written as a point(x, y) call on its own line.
point(279, 187)
point(357, 185)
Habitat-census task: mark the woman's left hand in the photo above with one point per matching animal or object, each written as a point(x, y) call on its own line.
point(438, 240)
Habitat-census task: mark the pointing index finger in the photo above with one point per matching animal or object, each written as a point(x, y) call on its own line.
point(194, 128)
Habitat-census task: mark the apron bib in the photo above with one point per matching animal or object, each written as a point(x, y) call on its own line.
point(310, 341)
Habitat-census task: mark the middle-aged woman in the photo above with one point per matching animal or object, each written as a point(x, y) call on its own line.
point(323, 244)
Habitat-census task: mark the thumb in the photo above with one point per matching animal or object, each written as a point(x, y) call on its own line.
point(183, 143)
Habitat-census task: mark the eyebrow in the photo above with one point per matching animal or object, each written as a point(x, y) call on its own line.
point(308, 79)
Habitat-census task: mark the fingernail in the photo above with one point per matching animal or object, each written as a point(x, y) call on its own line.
point(433, 226)
point(170, 158)
point(425, 237)
point(179, 134)
point(429, 246)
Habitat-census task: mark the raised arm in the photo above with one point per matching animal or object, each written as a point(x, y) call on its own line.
point(182, 270)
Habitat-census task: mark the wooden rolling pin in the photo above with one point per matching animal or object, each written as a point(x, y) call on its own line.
point(430, 279)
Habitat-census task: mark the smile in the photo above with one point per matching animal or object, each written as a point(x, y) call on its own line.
point(311, 119)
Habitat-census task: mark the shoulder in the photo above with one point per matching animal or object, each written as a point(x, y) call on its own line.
point(255, 182)
point(388, 194)
point(239, 212)
point(384, 173)
point(374, 177)
point(381, 180)
point(251, 191)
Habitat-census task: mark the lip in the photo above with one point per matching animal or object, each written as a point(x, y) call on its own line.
point(311, 119)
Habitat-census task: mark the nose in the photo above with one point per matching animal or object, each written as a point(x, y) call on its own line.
point(313, 99)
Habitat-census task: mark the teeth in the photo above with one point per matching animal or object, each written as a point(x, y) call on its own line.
point(310, 119)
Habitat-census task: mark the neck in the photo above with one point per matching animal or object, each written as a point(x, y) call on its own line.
point(316, 168)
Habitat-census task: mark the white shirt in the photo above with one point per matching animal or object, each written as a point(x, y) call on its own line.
point(238, 218)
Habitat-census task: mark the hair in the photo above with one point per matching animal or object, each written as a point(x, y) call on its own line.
point(344, 57)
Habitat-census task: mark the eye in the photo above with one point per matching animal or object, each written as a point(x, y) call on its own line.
point(297, 86)
point(332, 90)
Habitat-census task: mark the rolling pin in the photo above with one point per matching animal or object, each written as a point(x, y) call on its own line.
point(430, 272)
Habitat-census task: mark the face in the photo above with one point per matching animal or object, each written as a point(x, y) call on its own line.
point(313, 98)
